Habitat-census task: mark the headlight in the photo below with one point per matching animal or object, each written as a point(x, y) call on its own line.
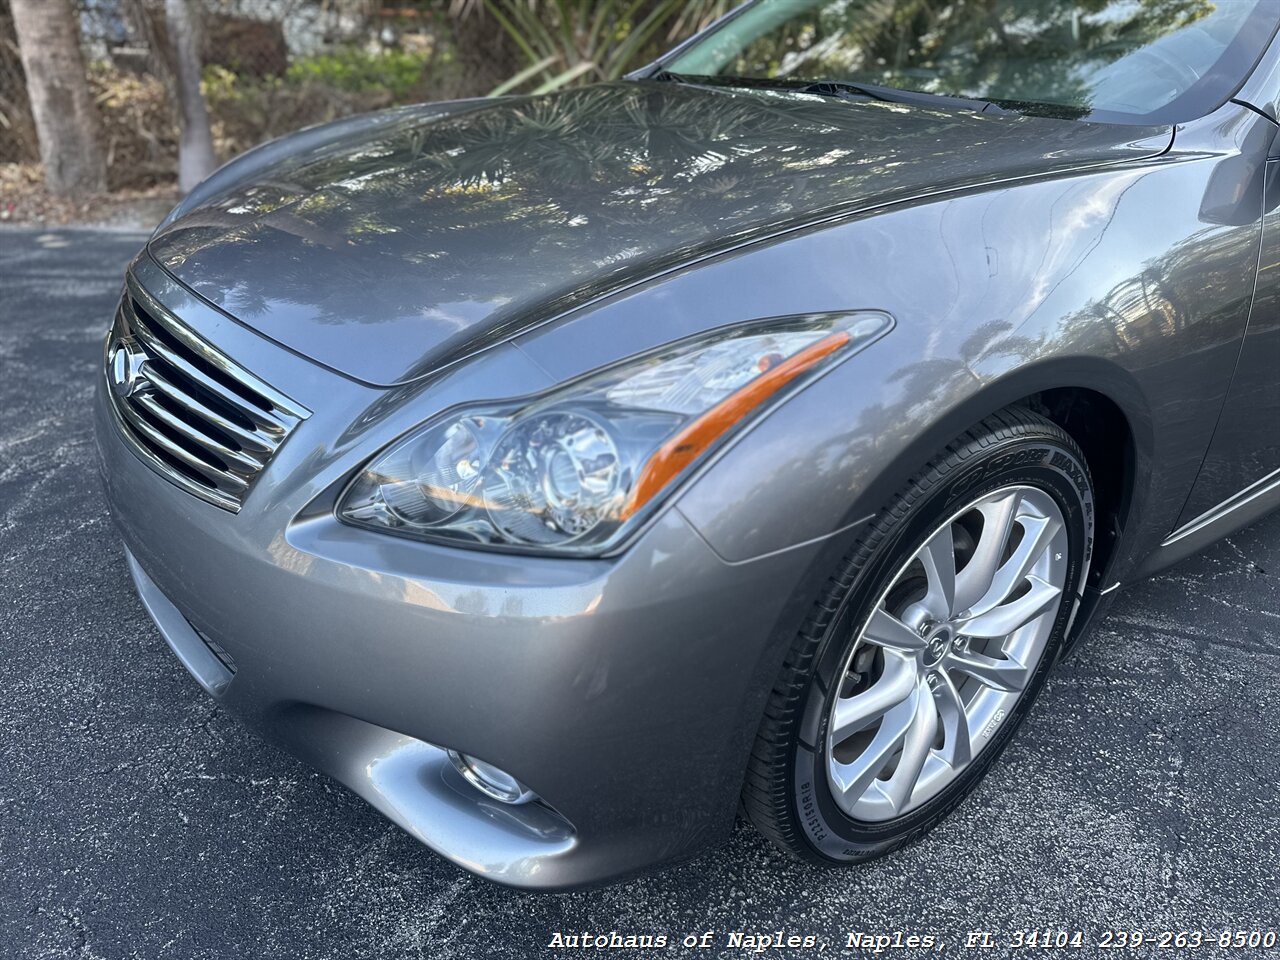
point(574, 470)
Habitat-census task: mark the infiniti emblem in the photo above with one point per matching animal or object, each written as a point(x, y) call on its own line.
point(937, 642)
point(126, 369)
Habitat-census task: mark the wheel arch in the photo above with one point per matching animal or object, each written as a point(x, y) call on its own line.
point(1097, 403)
point(1102, 430)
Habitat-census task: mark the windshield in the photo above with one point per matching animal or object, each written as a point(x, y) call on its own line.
point(1128, 61)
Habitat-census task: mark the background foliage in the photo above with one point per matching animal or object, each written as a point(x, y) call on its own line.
point(271, 66)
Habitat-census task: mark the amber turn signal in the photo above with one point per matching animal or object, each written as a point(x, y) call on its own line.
point(693, 440)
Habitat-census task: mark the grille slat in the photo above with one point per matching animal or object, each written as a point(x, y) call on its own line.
point(210, 471)
point(193, 374)
point(246, 439)
point(192, 414)
point(231, 457)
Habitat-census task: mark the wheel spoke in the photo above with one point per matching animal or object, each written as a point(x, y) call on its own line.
point(1005, 674)
point(860, 711)
point(853, 779)
point(973, 582)
point(915, 750)
point(938, 557)
point(1003, 620)
point(886, 630)
point(957, 744)
point(1038, 533)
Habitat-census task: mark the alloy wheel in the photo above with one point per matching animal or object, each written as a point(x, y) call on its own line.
point(946, 653)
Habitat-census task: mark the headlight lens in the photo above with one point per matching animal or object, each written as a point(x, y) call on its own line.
point(574, 470)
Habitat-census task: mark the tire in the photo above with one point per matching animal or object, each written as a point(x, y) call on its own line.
point(1014, 476)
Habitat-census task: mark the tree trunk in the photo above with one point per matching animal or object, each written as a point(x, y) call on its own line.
point(66, 119)
point(195, 147)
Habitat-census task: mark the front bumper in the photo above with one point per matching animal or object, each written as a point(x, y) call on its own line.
point(625, 692)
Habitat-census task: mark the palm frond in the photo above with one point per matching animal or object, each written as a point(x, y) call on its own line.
point(571, 42)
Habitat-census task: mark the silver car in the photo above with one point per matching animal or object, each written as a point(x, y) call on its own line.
point(567, 473)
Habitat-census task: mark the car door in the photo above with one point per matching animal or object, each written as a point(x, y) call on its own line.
point(1242, 466)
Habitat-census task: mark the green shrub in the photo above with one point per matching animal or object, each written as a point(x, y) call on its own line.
point(246, 109)
point(358, 71)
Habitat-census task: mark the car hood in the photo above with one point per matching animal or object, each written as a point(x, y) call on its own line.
point(385, 253)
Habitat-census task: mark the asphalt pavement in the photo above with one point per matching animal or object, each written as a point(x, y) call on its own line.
point(139, 820)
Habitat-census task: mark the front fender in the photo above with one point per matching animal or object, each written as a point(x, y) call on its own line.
point(1111, 280)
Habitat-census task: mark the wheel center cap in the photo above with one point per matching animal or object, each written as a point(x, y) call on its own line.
point(937, 644)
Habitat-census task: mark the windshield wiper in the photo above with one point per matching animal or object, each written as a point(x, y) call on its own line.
point(839, 89)
point(844, 88)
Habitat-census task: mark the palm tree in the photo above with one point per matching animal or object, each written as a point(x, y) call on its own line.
point(573, 42)
point(66, 119)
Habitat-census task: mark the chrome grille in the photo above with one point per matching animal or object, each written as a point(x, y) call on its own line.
point(197, 418)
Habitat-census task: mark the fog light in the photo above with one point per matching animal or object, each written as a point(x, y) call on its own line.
point(490, 780)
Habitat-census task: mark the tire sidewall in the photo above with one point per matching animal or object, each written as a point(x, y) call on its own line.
point(1040, 461)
